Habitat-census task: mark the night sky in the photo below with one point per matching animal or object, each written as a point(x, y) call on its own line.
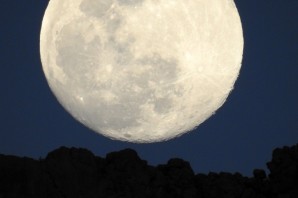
point(260, 114)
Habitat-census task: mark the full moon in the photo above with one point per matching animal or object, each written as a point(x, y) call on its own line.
point(141, 70)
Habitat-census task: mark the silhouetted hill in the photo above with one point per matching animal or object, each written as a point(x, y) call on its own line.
point(77, 173)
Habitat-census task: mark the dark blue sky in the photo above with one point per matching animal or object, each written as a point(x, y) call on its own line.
point(259, 115)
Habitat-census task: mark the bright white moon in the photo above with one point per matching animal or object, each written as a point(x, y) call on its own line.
point(141, 70)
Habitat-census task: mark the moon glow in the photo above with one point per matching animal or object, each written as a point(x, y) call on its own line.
point(141, 70)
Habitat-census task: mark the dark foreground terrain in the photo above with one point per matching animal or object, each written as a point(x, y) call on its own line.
point(77, 173)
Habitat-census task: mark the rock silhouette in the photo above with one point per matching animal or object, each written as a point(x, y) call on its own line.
point(77, 173)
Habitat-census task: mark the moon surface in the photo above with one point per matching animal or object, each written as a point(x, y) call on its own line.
point(141, 70)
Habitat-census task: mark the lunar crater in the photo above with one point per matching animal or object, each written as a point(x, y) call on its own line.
point(96, 8)
point(130, 2)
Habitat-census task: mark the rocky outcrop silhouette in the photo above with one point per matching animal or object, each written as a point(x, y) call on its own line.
point(77, 173)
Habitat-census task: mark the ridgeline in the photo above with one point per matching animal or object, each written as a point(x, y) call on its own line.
point(77, 173)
